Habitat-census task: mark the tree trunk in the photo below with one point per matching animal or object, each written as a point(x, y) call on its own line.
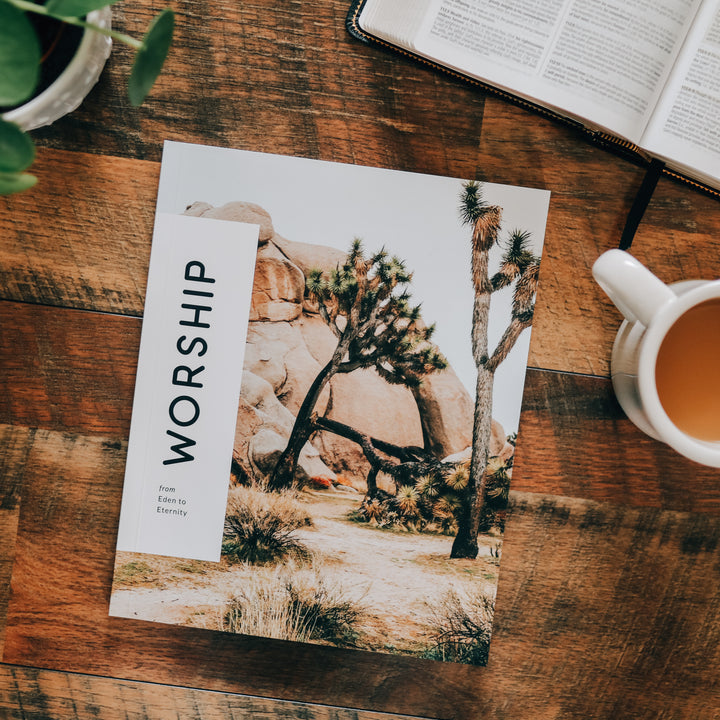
point(283, 475)
point(465, 544)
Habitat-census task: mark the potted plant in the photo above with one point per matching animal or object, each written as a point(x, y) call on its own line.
point(30, 36)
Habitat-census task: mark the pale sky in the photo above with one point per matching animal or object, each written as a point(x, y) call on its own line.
point(411, 215)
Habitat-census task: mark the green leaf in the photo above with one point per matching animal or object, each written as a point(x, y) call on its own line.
point(19, 56)
point(75, 8)
point(151, 56)
point(16, 148)
point(15, 182)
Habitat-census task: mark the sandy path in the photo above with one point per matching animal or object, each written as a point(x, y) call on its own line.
point(393, 575)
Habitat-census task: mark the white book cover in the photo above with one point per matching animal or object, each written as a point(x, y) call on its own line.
point(319, 341)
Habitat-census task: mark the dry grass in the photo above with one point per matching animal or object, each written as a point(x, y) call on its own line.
point(290, 602)
point(259, 526)
point(461, 628)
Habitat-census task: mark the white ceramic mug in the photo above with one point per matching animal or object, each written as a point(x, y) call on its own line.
point(651, 309)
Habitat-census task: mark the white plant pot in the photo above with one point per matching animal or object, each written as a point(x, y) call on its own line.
point(74, 83)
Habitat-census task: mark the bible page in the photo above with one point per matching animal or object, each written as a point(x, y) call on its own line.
point(686, 129)
point(602, 61)
point(397, 21)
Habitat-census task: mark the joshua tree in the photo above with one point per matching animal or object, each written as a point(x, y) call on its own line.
point(519, 266)
point(367, 306)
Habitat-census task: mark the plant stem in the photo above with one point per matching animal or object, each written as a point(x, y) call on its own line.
point(26, 6)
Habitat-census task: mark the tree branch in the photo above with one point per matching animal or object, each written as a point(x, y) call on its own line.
point(508, 340)
point(409, 453)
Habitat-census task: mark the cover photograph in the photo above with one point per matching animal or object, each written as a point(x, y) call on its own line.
point(327, 402)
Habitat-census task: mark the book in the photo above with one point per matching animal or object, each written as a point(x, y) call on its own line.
point(317, 341)
point(638, 75)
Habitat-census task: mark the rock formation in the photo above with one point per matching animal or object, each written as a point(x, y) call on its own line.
point(288, 343)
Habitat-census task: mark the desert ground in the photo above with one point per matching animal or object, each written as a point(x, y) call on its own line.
point(396, 577)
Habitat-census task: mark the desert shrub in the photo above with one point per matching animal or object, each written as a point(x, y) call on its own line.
point(431, 502)
point(458, 478)
point(378, 511)
point(429, 485)
point(461, 628)
point(329, 615)
point(407, 504)
point(260, 526)
point(444, 513)
point(497, 493)
point(292, 603)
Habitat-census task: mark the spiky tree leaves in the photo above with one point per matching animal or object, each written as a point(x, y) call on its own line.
point(520, 266)
point(516, 259)
point(367, 305)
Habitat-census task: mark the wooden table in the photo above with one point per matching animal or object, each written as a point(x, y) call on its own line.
point(608, 604)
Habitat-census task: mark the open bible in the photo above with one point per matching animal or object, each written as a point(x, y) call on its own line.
point(644, 74)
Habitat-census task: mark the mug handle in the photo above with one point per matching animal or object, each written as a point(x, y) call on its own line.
point(634, 290)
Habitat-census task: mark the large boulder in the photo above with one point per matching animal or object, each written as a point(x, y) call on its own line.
point(288, 343)
point(278, 284)
point(446, 409)
point(310, 257)
point(278, 287)
point(262, 433)
point(238, 212)
point(366, 402)
point(277, 352)
point(265, 449)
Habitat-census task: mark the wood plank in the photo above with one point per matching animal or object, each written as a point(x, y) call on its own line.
point(15, 444)
point(64, 369)
point(574, 439)
point(616, 609)
point(87, 246)
point(42, 694)
point(84, 244)
point(607, 612)
point(275, 77)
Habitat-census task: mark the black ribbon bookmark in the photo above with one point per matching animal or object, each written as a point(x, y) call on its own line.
point(642, 200)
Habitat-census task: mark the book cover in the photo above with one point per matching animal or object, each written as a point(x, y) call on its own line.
point(327, 402)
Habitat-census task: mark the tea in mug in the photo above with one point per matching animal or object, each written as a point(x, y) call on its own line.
point(687, 371)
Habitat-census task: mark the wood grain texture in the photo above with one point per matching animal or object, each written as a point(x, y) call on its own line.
point(12, 459)
point(608, 598)
point(285, 77)
point(276, 77)
point(615, 609)
point(575, 440)
point(33, 694)
point(70, 370)
point(84, 244)
point(67, 369)
point(89, 246)
point(599, 610)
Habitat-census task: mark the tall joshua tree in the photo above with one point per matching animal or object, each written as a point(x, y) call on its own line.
point(519, 267)
point(367, 306)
